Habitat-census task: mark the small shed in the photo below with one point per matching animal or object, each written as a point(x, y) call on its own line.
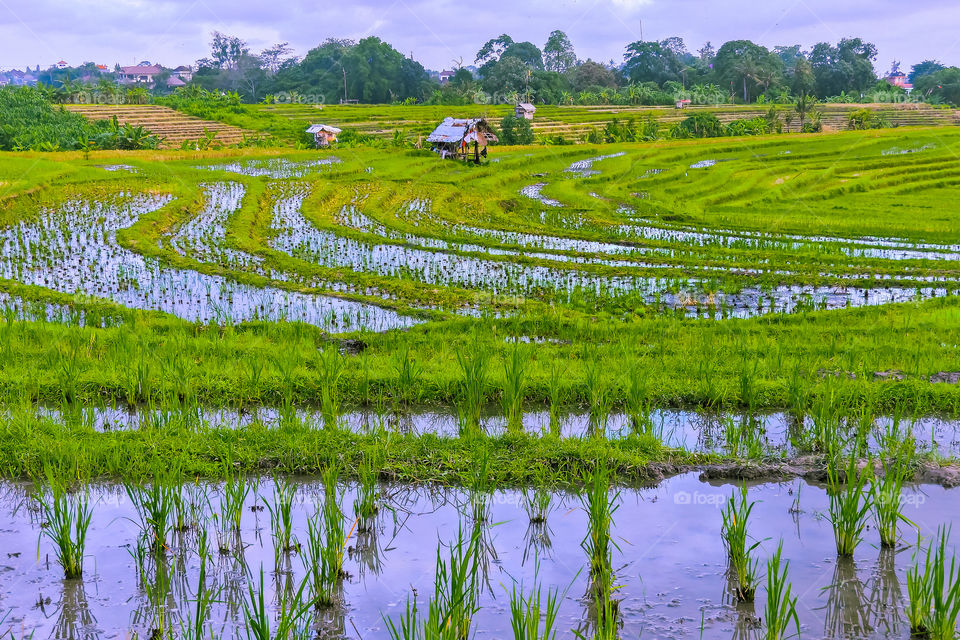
point(525, 110)
point(683, 104)
point(462, 137)
point(323, 134)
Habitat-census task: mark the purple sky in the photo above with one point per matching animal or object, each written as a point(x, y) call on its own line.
point(437, 32)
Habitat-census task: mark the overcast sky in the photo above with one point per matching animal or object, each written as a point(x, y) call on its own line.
point(437, 32)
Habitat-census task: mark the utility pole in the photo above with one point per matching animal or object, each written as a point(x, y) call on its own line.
point(344, 83)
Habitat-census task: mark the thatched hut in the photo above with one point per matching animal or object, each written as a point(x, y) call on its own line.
point(462, 138)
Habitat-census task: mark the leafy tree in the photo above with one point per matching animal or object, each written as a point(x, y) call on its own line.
point(925, 68)
point(699, 125)
point(846, 67)
point(514, 130)
point(527, 52)
point(509, 75)
point(272, 57)
point(492, 49)
point(652, 61)
point(941, 86)
point(748, 67)
point(804, 80)
point(226, 51)
point(558, 54)
point(590, 75)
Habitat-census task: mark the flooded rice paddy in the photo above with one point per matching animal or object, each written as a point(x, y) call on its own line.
point(759, 435)
point(75, 250)
point(669, 561)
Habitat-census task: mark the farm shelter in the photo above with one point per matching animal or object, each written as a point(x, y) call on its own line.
point(323, 135)
point(525, 110)
point(455, 137)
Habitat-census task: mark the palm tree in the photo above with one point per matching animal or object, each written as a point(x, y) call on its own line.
point(566, 97)
point(804, 105)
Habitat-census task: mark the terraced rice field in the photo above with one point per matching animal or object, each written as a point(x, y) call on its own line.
point(170, 125)
point(369, 393)
point(574, 122)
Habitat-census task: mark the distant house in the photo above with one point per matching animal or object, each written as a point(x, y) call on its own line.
point(683, 104)
point(174, 81)
point(525, 110)
point(901, 80)
point(455, 137)
point(323, 134)
point(183, 72)
point(62, 64)
point(446, 76)
point(139, 74)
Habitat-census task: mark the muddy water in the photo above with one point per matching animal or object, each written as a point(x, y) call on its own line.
point(670, 563)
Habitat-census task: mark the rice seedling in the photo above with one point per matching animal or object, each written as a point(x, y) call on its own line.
point(366, 504)
point(330, 369)
point(850, 504)
point(408, 370)
point(291, 614)
point(599, 396)
point(235, 492)
point(281, 518)
point(472, 386)
point(555, 396)
point(598, 543)
point(479, 486)
point(886, 496)
point(743, 438)
point(637, 403)
point(538, 500)
point(531, 616)
point(734, 531)
point(933, 590)
point(781, 606)
point(450, 611)
point(326, 541)
point(515, 363)
point(155, 508)
point(66, 521)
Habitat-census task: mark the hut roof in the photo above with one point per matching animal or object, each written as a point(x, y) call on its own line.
point(455, 130)
point(526, 106)
point(317, 128)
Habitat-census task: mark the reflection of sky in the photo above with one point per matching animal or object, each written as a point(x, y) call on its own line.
point(670, 559)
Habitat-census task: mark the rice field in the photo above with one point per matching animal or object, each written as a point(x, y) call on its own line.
point(678, 389)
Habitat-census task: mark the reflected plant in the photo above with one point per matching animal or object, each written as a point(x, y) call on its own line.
point(194, 619)
point(734, 531)
point(637, 403)
point(291, 614)
point(66, 521)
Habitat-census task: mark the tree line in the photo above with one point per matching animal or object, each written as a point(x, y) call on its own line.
point(505, 70)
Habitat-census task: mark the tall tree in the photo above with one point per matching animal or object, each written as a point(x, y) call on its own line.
point(848, 66)
point(226, 51)
point(925, 68)
point(747, 68)
point(652, 61)
point(558, 54)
